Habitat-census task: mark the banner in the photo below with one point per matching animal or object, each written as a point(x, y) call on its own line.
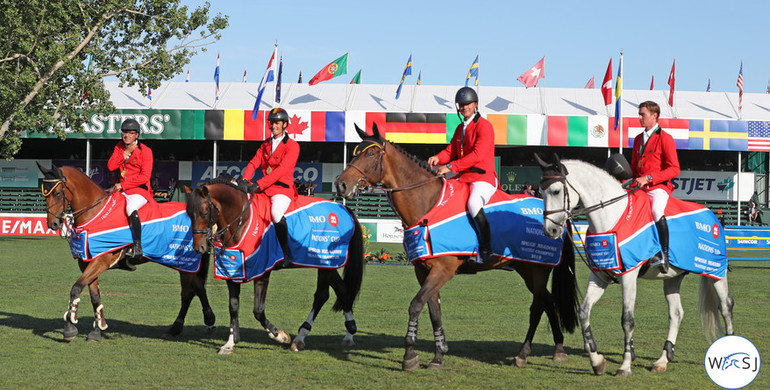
point(713, 185)
point(203, 171)
point(24, 225)
point(18, 173)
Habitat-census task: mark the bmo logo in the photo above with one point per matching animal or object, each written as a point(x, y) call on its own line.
point(605, 243)
point(715, 230)
point(333, 219)
point(317, 218)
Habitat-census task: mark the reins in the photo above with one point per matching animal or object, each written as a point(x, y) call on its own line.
point(379, 162)
point(218, 236)
point(67, 219)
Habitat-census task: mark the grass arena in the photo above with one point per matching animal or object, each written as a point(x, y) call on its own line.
point(486, 317)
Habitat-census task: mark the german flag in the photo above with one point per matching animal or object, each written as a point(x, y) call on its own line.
point(403, 127)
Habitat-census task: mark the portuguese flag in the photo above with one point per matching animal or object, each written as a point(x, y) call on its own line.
point(335, 68)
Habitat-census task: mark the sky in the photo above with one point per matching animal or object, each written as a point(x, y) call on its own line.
point(708, 39)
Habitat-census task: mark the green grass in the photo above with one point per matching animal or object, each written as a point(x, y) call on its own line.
point(485, 317)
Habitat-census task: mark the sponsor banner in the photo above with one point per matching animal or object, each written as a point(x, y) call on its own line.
point(713, 185)
point(514, 179)
point(748, 238)
point(203, 171)
point(18, 173)
point(24, 225)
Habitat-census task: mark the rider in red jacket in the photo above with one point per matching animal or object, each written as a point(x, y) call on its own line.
point(653, 164)
point(471, 155)
point(135, 164)
point(277, 156)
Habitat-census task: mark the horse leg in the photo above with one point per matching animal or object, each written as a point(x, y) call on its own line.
point(628, 288)
point(90, 272)
point(432, 277)
point(199, 281)
point(536, 283)
point(260, 293)
point(675, 315)
point(320, 297)
point(594, 291)
point(100, 323)
point(725, 304)
point(439, 338)
point(187, 295)
point(338, 285)
point(234, 292)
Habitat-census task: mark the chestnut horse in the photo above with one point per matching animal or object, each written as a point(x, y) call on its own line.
point(68, 187)
point(219, 211)
point(413, 190)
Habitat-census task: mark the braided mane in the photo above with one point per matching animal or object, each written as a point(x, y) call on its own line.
point(239, 184)
point(420, 162)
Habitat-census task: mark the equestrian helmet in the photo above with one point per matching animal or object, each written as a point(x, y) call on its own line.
point(466, 95)
point(278, 114)
point(130, 124)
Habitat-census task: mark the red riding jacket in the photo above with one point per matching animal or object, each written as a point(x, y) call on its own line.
point(135, 171)
point(657, 158)
point(472, 156)
point(277, 167)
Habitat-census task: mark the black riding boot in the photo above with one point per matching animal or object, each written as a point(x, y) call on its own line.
point(662, 260)
point(282, 232)
point(482, 230)
point(136, 233)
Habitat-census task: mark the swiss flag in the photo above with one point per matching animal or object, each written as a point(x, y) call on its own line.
point(607, 85)
point(671, 83)
point(530, 77)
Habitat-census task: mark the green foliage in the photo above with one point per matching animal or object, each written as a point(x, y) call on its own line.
point(54, 56)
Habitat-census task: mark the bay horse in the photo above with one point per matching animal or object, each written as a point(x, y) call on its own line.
point(219, 211)
point(565, 183)
point(68, 187)
point(413, 190)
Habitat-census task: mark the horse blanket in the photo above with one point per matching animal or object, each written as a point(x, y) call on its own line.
point(696, 239)
point(516, 223)
point(319, 235)
point(166, 236)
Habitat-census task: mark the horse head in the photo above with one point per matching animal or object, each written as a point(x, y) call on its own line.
point(366, 167)
point(53, 189)
point(203, 215)
point(559, 198)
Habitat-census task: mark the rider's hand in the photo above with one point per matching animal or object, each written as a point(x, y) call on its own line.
point(641, 182)
point(254, 188)
point(443, 170)
point(432, 161)
point(117, 187)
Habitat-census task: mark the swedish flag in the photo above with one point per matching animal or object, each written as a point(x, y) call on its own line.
point(407, 72)
point(473, 72)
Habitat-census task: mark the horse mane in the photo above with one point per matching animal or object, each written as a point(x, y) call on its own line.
point(238, 184)
point(593, 169)
point(422, 163)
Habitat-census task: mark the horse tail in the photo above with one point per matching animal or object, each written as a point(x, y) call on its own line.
point(353, 272)
point(708, 305)
point(564, 286)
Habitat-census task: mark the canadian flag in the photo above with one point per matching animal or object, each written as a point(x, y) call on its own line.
point(530, 77)
point(607, 85)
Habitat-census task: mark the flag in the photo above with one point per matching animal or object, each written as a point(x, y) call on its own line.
point(740, 88)
point(708, 86)
point(590, 83)
point(187, 80)
point(607, 85)
point(278, 82)
point(535, 73)
point(316, 126)
point(473, 72)
point(768, 86)
point(244, 75)
point(578, 131)
point(419, 76)
point(516, 129)
point(216, 77)
point(149, 93)
point(759, 136)
point(268, 76)
point(618, 93)
point(711, 134)
point(335, 68)
point(678, 129)
point(412, 127)
point(299, 80)
point(407, 71)
point(652, 83)
point(671, 83)
point(357, 78)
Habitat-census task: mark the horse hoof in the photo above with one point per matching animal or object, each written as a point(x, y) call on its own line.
point(600, 368)
point(281, 337)
point(560, 357)
point(225, 351)
point(659, 368)
point(623, 374)
point(211, 329)
point(348, 341)
point(296, 347)
point(410, 364)
point(520, 362)
point(433, 366)
point(94, 336)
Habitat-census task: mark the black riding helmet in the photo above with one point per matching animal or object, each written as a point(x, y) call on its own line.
point(278, 114)
point(466, 95)
point(130, 125)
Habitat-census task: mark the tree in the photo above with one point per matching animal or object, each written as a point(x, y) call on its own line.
point(56, 54)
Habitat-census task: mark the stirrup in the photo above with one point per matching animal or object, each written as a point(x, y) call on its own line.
point(659, 261)
point(485, 257)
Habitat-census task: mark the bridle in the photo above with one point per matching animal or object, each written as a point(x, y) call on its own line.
point(214, 235)
point(363, 183)
point(67, 220)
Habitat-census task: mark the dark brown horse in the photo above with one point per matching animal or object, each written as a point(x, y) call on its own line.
point(413, 190)
point(67, 187)
point(222, 206)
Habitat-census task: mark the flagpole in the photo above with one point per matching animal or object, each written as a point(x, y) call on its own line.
point(738, 184)
point(620, 99)
point(414, 94)
point(275, 77)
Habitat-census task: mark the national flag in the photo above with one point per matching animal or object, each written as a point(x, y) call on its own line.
point(619, 93)
point(517, 129)
point(278, 81)
point(335, 68)
point(407, 71)
point(679, 129)
point(149, 93)
point(740, 88)
point(187, 79)
point(671, 83)
point(419, 76)
point(652, 83)
point(759, 136)
point(266, 78)
point(590, 83)
point(216, 78)
point(357, 78)
point(473, 72)
point(244, 75)
point(708, 86)
point(299, 80)
point(711, 134)
point(412, 127)
point(607, 85)
point(578, 131)
point(316, 126)
point(535, 73)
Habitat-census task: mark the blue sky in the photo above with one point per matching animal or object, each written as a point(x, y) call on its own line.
point(707, 38)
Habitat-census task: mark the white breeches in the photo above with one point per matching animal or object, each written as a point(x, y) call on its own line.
point(279, 205)
point(658, 200)
point(134, 202)
point(481, 192)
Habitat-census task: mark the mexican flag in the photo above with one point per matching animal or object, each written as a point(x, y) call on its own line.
point(335, 68)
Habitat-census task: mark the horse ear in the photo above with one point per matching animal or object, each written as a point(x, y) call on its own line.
point(204, 191)
point(376, 131)
point(187, 190)
point(360, 132)
point(40, 167)
point(56, 171)
point(540, 161)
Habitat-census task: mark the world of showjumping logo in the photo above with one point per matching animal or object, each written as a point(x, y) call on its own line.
point(732, 362)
